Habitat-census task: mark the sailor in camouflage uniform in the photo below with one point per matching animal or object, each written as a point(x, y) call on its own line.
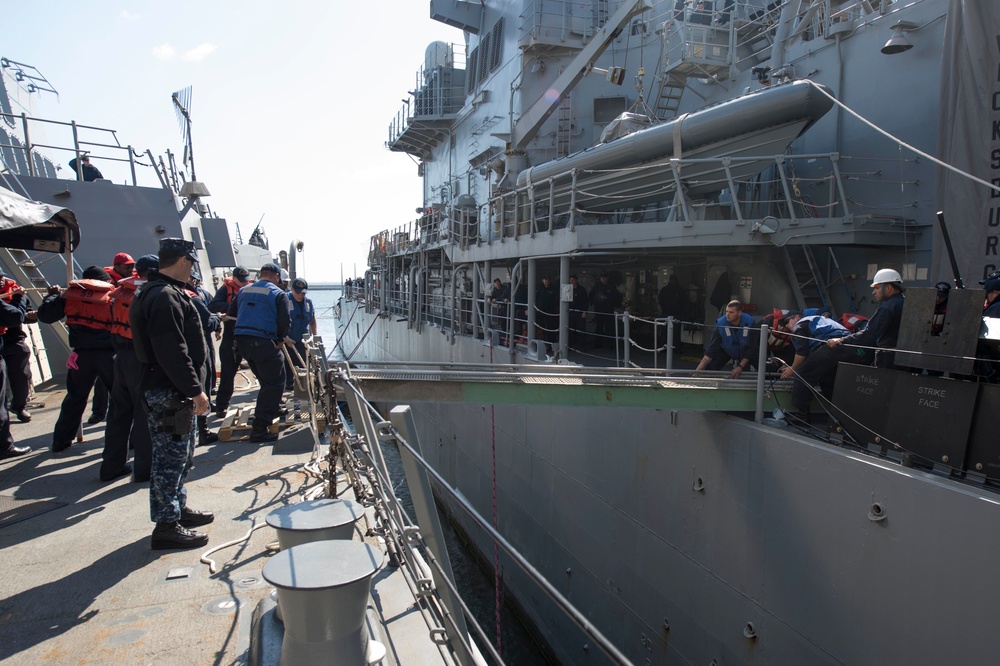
point(170, 345)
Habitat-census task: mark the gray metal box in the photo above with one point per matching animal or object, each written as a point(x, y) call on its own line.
point(860, 396)
point(931, 417)
point(983, 459)
point(962, 323)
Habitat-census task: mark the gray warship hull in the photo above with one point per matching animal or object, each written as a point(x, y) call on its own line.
point(678, 533)
point(687, 536)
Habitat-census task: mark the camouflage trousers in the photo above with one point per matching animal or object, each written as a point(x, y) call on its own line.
point(173, 450)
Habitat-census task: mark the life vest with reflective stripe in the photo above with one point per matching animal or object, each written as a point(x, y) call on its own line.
point(121, 298)
point(735, 339)
point(257, 312)
point(853, 322)
point(88, 303)
point(300, 315)
point(232, 288)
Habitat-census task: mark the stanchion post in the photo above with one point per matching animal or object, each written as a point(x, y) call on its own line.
point(761, 369)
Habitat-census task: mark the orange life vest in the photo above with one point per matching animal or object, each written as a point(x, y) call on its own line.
point(121, 299)
point(232, 288)
point(853, 322)
point(115, 278)
point(88, 304)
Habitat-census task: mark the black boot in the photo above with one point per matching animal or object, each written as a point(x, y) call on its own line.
point(263, 436)
point(206, 436)
point(172, 535)
point(14, 451)
point(192, 518)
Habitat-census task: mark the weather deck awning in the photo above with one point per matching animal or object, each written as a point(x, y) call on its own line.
point(32, 225)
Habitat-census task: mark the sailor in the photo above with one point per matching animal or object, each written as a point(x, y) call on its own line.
point(578, 314)
point(10, 315)
point(604, 297)
point(170, 345)
point(547, 312)
point(499, 298)
point(211, 325)
point(302, 315)
point(86, 305)
point(15, 350)
point(883, 328)
point(940, 307)
point(814, 362)
point(229, 355)
point(733, 340)
point(86, 170)
point(672, 303)
point(261, 312)
point(780, 351)
point(991, 307)
point(122, 266)
point(127, 424)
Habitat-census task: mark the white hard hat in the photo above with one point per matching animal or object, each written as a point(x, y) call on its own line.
point(886, 275)
point(283, 276)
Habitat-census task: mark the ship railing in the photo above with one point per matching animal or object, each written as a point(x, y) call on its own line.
point(790, 186)
point(100, 144)
point(438, 93)
point(561, 22)
point(412, 543)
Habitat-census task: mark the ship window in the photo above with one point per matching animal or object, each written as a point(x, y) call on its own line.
point(607, 109)
point(470, 70)
point(484, 58)
point(497, 37)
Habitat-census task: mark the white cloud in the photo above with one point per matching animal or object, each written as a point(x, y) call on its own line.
point(199, 53)
point(164, 52)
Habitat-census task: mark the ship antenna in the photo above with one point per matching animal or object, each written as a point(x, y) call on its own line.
point(182, 106)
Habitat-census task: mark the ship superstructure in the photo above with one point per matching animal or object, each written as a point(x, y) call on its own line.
point(779, 153)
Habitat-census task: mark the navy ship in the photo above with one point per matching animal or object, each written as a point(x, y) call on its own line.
point(778, 153)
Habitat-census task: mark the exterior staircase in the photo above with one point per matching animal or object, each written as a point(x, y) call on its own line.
point(808, 285)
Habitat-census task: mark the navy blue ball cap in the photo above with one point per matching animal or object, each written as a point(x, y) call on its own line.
point(241, 274)
point(992, 276)
point(992, 285)
point(171, 248)
point(146, 263)
point(300, 285)
point(270, 268)
point(942, 286)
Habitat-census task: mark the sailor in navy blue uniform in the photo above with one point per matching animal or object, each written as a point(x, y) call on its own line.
point(170, 345)
point(261, 312)
point(302, 315)
point(734, 340)
point(229, 355)
point(814, 362)
point(883, 328)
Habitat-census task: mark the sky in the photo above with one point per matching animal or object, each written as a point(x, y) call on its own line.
point(291, 104)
